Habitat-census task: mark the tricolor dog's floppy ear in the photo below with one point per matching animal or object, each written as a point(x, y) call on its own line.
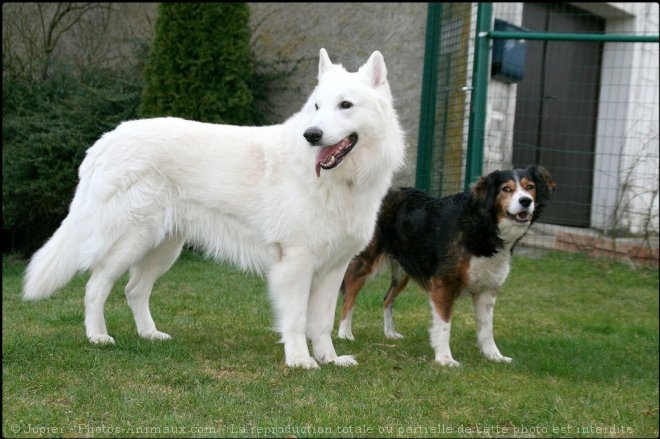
point(375, 69)
point(486, 189)
point(480, 188)
point(324, 62)
point(545, 185)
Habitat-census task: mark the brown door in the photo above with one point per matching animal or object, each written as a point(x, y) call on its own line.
point(556, 108)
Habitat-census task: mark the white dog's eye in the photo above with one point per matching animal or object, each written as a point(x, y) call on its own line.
point(316, 106)
point(345, 105)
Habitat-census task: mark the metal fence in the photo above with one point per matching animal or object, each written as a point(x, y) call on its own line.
point(573, 89)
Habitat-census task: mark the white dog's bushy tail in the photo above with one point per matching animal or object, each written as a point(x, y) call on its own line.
point(53, 265)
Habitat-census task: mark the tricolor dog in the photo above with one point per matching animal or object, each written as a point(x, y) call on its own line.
point(451, 246)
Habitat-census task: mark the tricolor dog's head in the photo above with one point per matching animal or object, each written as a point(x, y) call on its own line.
point(346, 110)
point(517, 196)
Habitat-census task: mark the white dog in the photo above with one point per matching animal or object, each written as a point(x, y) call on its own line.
point(272, 199)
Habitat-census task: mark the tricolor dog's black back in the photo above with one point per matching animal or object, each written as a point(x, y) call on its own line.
point(452, 245)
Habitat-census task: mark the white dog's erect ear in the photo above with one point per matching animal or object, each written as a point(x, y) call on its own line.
point(324, 62)
point(375, 69)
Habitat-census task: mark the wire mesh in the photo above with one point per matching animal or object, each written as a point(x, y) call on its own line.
point(452, 104)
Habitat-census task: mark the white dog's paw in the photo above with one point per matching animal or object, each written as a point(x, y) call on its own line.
point(447, 361)
point(302, 363)
point(156, 335)
point(393, 335)
point(345, 361)
point(499, 358)
point(101, 339)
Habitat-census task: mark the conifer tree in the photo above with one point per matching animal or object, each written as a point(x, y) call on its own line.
point(200, 65)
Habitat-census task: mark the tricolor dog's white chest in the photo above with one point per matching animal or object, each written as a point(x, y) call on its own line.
point(488, 273)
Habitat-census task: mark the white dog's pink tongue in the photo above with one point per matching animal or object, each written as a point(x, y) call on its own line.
point(326, 156)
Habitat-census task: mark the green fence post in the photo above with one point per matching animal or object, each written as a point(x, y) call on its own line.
point(427, 110)
point(480, 75)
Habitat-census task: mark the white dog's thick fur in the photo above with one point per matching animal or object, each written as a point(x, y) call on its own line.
point(248, 195)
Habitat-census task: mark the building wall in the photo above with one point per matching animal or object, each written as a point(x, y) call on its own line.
point(106, 35)
point(625, 193)
point(350, 32)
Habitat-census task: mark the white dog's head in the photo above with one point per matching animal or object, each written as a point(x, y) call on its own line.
point(350, 113)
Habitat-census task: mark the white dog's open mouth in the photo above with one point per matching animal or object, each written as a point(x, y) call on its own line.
point(329, 157)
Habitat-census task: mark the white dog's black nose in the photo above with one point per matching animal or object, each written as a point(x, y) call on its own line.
point(313, 135)
point(525, 201)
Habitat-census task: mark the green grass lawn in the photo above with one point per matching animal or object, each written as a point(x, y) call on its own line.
point(583, 335)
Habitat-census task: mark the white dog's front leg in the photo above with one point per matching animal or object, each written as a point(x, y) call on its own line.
point(289, 285)
point(484, 305)
point(321, 316)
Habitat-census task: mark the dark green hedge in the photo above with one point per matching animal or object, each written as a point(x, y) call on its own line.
point(46, 128)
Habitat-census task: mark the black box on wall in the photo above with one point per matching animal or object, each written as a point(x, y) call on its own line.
point(508, 64)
